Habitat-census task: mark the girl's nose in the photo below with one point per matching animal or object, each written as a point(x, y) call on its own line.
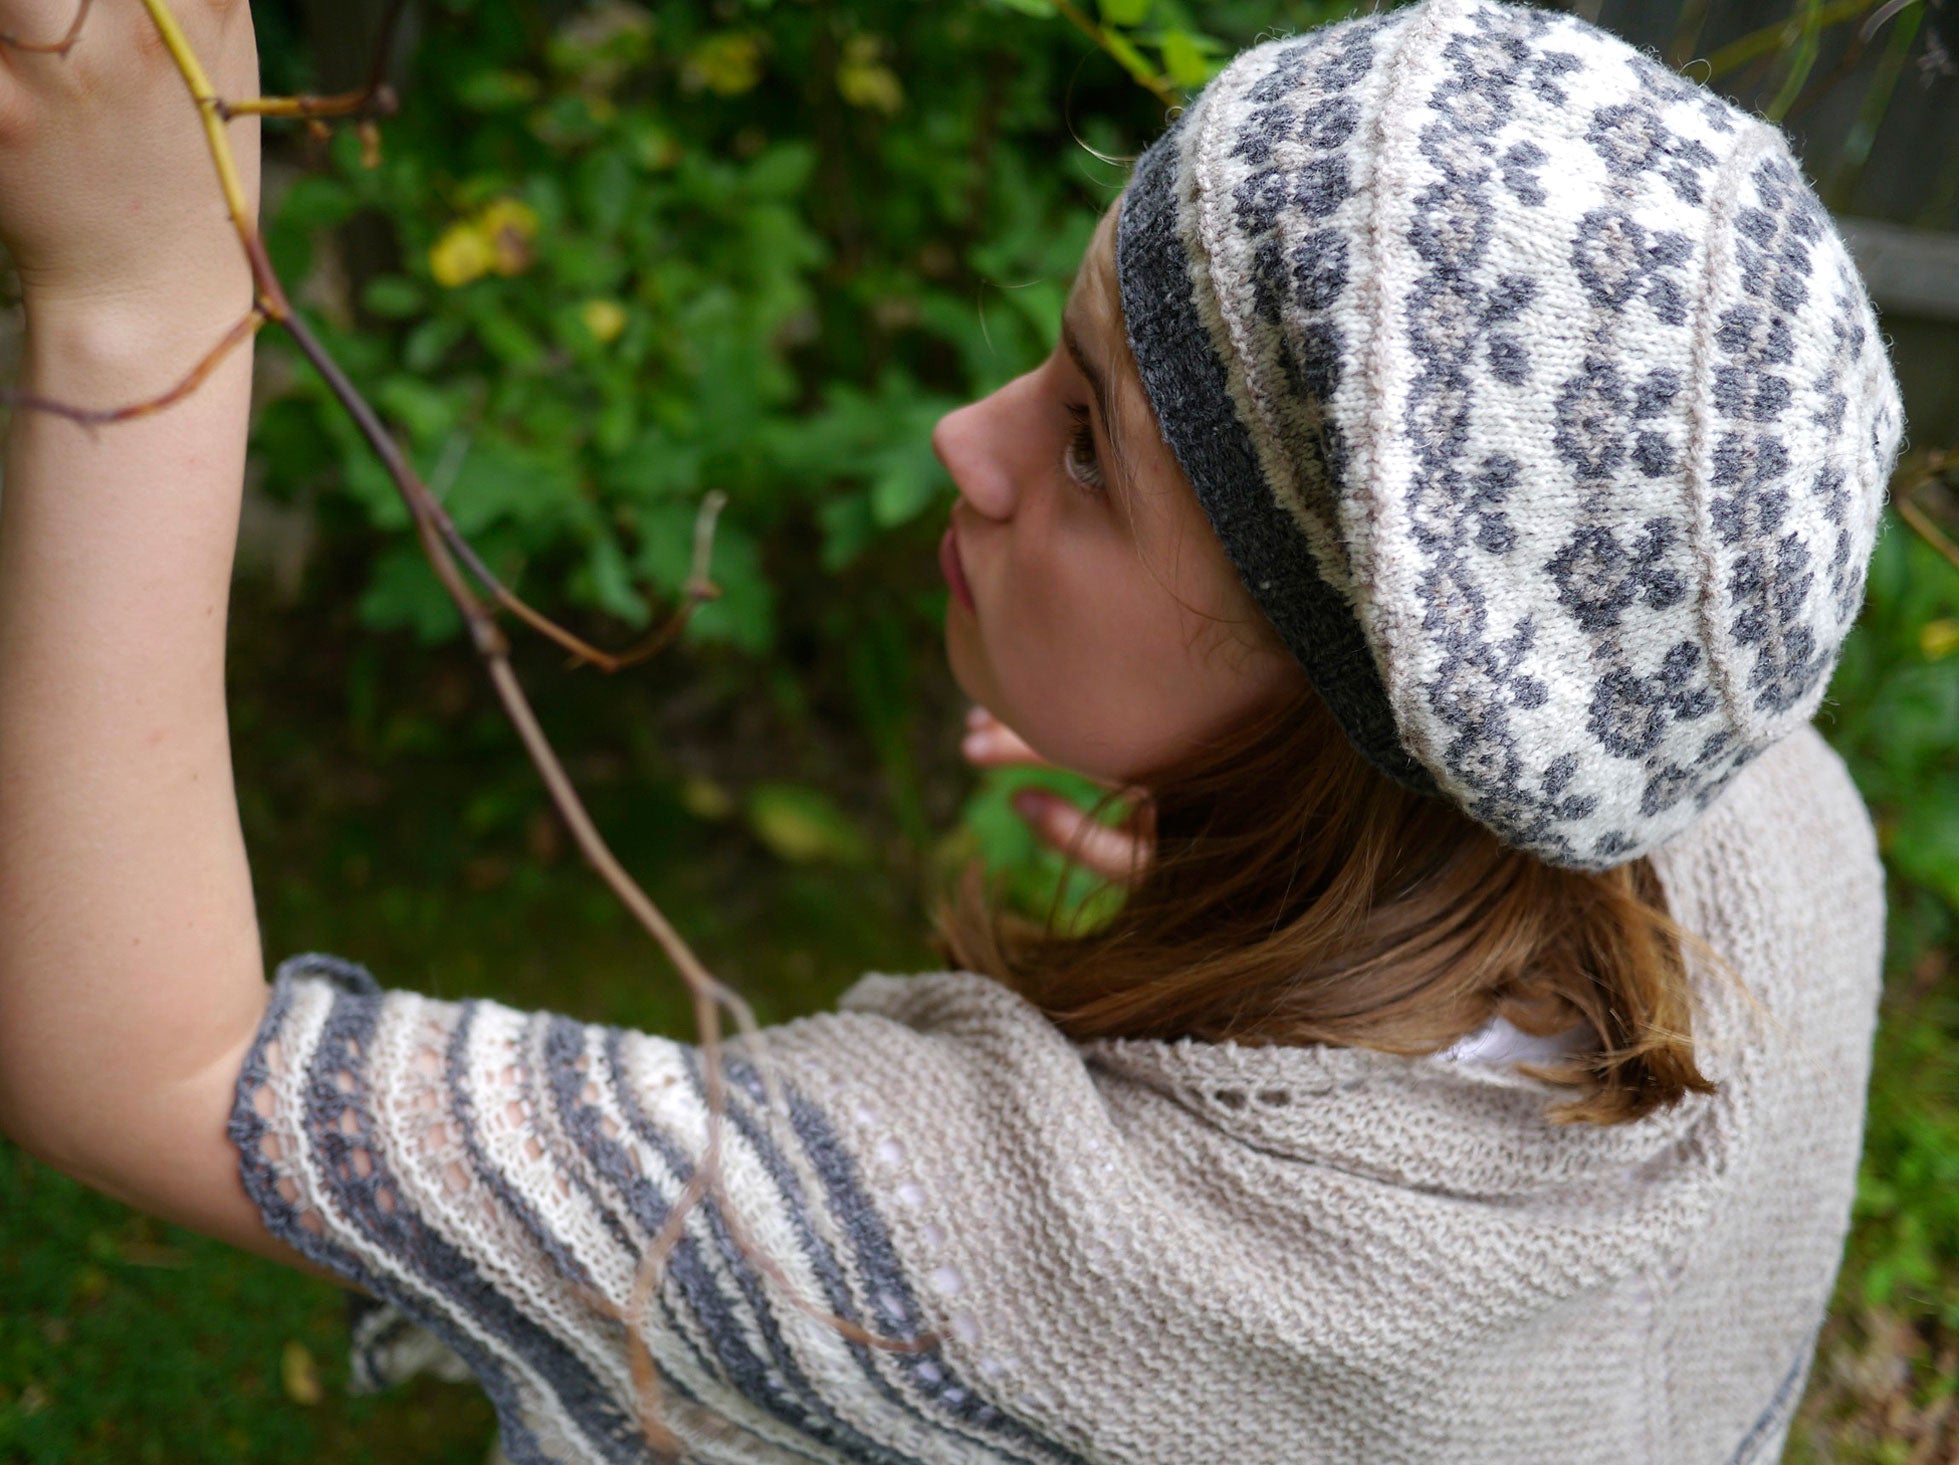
point(972, 442)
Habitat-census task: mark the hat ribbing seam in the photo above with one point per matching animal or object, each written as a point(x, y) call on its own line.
point(1726, 192)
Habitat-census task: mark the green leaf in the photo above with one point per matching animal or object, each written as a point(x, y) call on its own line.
point(1133, 61)
point(1039, 9)
point(611, 581)
point(848, 528)
point(430, 341)
point(909, 481)
point(317, 203)
point(655, 465)
point(607, 189)
point(424, 409)
point(1925, 841)
point(1126, 12)
point(509, 340)
point(744, 616)
point(1184, 60)
point(405, 595)
point(803, 825)
point(504, 482)
point(780, 171)
point(490, 91)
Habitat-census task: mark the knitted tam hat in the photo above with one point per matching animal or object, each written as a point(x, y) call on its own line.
point(1534, 397)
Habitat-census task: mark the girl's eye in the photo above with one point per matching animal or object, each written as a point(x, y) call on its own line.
point(1079, 461)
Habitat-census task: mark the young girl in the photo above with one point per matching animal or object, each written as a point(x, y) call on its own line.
point(1447, 499)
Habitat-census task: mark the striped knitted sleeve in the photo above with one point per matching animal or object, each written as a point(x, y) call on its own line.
point(496, 1177)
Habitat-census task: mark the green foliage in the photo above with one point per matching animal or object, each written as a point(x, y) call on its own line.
point(804, 825)
point(616, 256)
point(1894, 714)
point(630, 253)
point(652, 256)
point(1036, 880)
point(1896, 708)
point(1908, 1201)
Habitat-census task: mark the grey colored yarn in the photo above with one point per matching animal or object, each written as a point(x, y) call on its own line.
point(1534, 397)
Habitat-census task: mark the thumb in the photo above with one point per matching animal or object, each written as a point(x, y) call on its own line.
point(1113, 851)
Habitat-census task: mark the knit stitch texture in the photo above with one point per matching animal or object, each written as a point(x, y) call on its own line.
point(1141, 1252)
point(1535, 398)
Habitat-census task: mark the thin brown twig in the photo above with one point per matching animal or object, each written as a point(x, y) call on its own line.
point(1101, 37)
point(377, 101)
point(243, 331)
point(491, 643)
point(441, 540)
point(697, 591)
point(455, 563)
point(1905, 499)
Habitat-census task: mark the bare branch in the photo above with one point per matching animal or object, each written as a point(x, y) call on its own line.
point(1105, 41)
point(376, 102)
point(1905, 496)
point(456, 564)
point(191, 381)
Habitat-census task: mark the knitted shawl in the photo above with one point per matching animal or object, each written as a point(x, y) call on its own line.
point(1137, 1251)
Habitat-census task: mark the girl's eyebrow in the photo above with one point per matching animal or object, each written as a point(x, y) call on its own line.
point(1092, 371)
point(1097, 385)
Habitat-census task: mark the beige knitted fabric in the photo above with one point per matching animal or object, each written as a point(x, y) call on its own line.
point(1131, 1251)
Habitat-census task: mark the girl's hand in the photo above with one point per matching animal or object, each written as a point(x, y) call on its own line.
point(1114, 851)
point(108, 196)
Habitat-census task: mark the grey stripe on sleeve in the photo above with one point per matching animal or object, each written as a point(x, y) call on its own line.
point(776, 1385)
point(451, 1279)
point(946, 1395)
point(876, 1256)
point(1753, 1441)
point(464, 1112)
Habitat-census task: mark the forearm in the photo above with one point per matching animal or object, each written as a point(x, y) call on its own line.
point(129, 960)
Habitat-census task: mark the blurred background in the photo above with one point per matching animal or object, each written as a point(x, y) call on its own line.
point(612, 256)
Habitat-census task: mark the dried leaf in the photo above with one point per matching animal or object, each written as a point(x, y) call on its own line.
point(300, 1374)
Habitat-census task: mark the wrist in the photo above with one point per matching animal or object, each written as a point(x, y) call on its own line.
point(104, 350)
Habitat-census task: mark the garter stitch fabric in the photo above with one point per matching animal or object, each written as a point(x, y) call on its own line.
point(1534, 397)
point(1130, 1252)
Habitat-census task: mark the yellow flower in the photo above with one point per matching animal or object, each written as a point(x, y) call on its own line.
point(605, 319)
point(462, 254)
point(509, 225)
point(1938, 639)
point(864, 81)
point(727, 64)
point(497, 238)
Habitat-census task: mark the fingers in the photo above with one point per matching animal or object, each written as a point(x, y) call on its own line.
point(990, 743)
point(1113, 851)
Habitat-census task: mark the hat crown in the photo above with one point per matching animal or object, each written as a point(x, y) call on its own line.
point(1549, 375)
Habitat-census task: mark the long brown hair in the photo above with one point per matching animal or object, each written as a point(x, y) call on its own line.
point(1298, 896)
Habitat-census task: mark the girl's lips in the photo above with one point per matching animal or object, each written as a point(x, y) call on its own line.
point(954, 571)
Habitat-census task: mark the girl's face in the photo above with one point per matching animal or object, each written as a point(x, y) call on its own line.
point(1093, 609)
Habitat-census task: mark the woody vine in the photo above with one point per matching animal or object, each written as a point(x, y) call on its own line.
point(1183, 60)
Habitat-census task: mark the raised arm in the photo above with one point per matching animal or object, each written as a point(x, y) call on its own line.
point(130, 972)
